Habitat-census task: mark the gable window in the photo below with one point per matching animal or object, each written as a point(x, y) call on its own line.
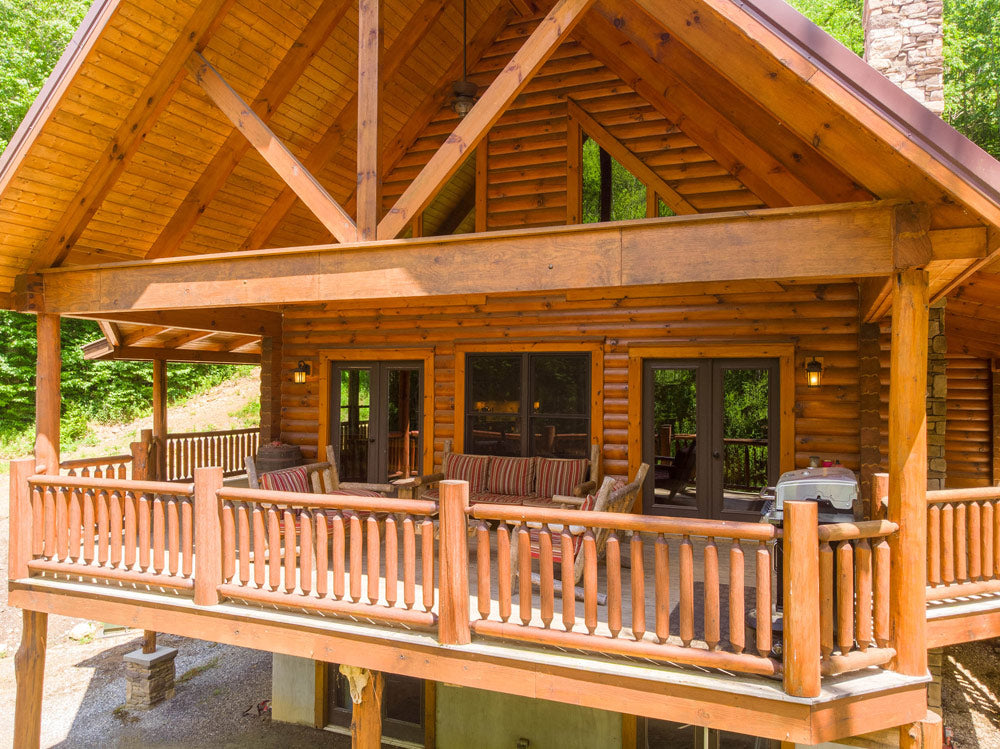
point(610, 191)
point(531, 404)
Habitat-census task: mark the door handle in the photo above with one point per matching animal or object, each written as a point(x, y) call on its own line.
point(716, 454)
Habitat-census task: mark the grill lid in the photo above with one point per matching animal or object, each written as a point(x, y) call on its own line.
point(834, 484)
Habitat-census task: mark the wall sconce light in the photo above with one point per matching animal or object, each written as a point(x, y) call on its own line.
point(300, 373)
point(814, 373)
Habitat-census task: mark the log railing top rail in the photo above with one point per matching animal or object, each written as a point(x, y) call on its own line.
point(146, 487)
point(972, 494)
point(329, 502)
point(96, 461)
point(863, 529)
point(628, 522)
point(214, 432)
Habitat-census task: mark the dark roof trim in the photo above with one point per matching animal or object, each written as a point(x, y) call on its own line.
point(55, 85)
point(930, 132)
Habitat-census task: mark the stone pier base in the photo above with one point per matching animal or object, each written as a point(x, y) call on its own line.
point(149, 677)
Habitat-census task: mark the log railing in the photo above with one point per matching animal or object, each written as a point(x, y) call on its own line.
point(963, 542)
point(186, 451)
point(112, 530)
point(339, 555)
point(710, 635)
point(685, 595)
point(854, 561)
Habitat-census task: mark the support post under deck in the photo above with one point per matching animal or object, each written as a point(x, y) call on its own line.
point(29, 671)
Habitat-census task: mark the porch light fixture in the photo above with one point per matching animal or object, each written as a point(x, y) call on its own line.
point(300, 373)
point(465, 91)
point(814, 373)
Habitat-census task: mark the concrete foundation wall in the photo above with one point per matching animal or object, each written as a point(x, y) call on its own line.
point(295, 690)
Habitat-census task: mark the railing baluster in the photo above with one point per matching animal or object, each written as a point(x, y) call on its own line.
point(374, 544)
point(131, 530)
point(50, 524)
point(763, 593)
point(737, 597)
point(173, 536)
point(613, 564)
point(987, 541)
point(524, 573)
point(712, 616)
point(339, 549)
point(483, 590)
point(409, 562)
point(845, 597)
point(661, 580)
point(103, 528)
point(882, 587)
point(305, 552)
point(89, 524)
point(934, 545)
point(996, 538)
point(638, 577)
point(289, 530)
point(975, 542)
point(115, 524)
point(38, 523)
point(145, 529)
point(427, 562)
point(322, 551)
point(391, 561)
point(355, 540)
point(948, 544)
point(863, 593)
point(590, 580)
point(567, 569)
point(826, 599)
point(273, 548)
point(243, 541)
point(961, 551)
point(546, 575)
point(259, 537)
point(228, 542)
point(75, 520)
point(687, 591)
point(159, 534)
point(187, 536)
point(62, 524)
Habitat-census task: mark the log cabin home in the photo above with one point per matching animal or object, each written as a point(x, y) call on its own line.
point(383, 203)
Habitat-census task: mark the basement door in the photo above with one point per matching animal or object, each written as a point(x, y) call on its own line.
point(377, 419)
point(710, 435)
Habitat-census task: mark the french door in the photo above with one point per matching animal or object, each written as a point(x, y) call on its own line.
point(377, 419)
point(710, 435)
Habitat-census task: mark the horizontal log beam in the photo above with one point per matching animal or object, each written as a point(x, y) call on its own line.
point(236, 320)
point(103, 351)
point(827, 242)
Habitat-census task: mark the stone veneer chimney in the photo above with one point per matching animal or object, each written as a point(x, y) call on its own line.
point(904, 42)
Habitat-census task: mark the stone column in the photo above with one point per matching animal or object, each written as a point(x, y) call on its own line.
point(937, 396)
point(904, 42)
point(149, 677)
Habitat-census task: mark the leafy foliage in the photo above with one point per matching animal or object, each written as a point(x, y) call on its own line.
point(841, 19)
point(628, 194)
point(34, 34)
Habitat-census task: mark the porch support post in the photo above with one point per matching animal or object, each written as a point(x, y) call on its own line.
point(29, 672)
point(453, 618)
point(207, 535)
point(908, 470)
point(925, 734)
point(366, 715)
point(159, 466)
point(369, 190)
point(47, 393)
point(802, 604)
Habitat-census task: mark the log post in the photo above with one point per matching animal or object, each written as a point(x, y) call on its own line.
point(369, 189)
point(880, 494)
point(140, 472)
point(207, 535)
point(160, 420)
point(801, 596)
point(29, 672)
point(47, 392)
point(908, 471)
point(19, 536)
point(366, 714)
point(925, 734)
point(453, 616)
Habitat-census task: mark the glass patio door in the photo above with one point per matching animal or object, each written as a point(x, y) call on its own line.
point(377, 419)
point(710, 435)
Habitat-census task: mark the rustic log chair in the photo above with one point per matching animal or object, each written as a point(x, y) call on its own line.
point(324, 478)
point(611, 497)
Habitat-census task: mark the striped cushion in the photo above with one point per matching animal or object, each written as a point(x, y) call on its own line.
point(496, 499)
point(355, 493)
point(557, 476)
point(588, 504)
point(512, 476)
point(286, 480)
point(471, 468)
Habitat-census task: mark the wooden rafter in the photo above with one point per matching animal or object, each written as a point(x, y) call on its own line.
point(544, 40)
point(225, 160)
point(761, 172)
point(132, 132)
point(111, 332)
point(343, 127)
point(329, 212)
point(186, 338)
point(141, 334)
point(369, 152)
point(629, 160)
point(102, 351)
point(234, 320)
point(238, 343)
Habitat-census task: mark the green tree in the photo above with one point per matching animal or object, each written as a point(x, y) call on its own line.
point(972, 70)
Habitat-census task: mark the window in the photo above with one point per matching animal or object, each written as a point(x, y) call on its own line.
point(610, 191)
point(528, 405)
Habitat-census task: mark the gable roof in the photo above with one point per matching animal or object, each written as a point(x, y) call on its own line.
point(745, 105)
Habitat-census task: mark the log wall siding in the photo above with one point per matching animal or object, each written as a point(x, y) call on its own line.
point(819, 320)
point(969, 435)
